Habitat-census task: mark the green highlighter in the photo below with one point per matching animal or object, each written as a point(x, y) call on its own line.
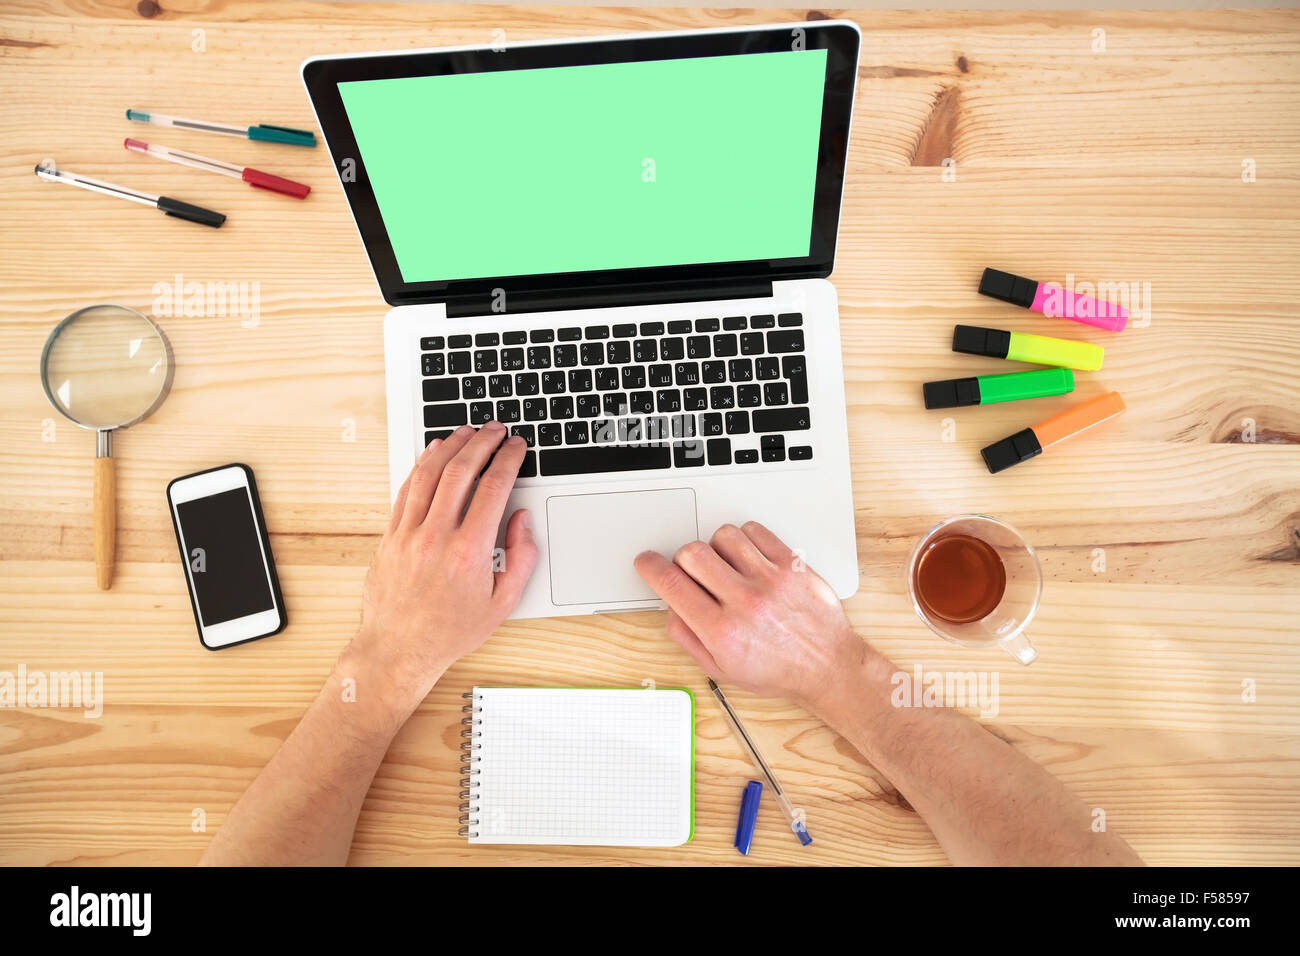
point(987, 389)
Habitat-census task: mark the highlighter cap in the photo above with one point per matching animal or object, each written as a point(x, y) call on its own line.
point(973, 340)
point(1021, 446)
point(1009, 288)
point(952, 393)
point(748, 816)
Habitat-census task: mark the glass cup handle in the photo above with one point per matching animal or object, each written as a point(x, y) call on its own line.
point(1020, 648)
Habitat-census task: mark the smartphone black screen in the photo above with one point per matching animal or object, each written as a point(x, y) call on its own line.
point(224, 552)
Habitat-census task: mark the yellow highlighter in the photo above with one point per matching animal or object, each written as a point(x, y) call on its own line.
point(1023, 347)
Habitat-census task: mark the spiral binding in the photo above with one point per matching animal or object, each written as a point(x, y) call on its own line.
point(468, 759)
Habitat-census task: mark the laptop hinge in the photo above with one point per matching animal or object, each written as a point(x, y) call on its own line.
point(502, 302)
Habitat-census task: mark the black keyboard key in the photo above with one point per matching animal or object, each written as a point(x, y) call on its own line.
point(711, 424)
point(441, 390)
point(433, 364)
point(796, 371)
point(641, 403)
point(514, 338)
point(698, 347)
point(485, 361)
point(773, 447)
point(561, 408)
point(746, 456)
point(791, 341)
point(459, 341)
point(552, 433)
point(645, 350)
point(570, 334)
point(695, 399)
point(604, 431)
point(722, 396)
point(792, 419)
point(629, 429)
point(539, 356)
point(439, 433)
point(656, 428)
point(799, 452)
point(588, 406)
point(766, 368)
point(737, 423)
point(606, 378)
point(749, 396)
point(679, 327)
point(725, 345)
point(592, 353)
point(528, 467)
point(652, 328)
point(740, 370)
point(480, 413)
point(431, 342)
point(499, 386)
point(633, 376)
point(443, 415)
point(624, 331)
point(615, 403)
point(775, 393)
point(596, 331)
point(527, 383)
point(458, 363)
point(789, 319)
point(762, 321)
point(580, 380)
point(618, 353)
point(751, 343)
point(534, 409)
point(714, 373)
point(512, 360)
point(566, 356)
point(484, 339)
point(670, 350)
point(706, 325)
point(660, 376)
point(669, 400)
point(682, 426)
point(719, 451)
point(475, 386)
point(600, 459)
point(508, 412)
point(541, 335)
point(733, 323)
point(575, 433)
point(686, 373)
point(553, 383)
point(688, 454)
point(526, 432)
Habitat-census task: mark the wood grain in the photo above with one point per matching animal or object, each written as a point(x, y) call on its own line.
point(1116, 166)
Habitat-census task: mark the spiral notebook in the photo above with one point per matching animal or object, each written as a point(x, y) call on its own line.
point(578, 766)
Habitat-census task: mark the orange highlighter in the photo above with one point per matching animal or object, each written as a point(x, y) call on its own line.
point(1026, 444)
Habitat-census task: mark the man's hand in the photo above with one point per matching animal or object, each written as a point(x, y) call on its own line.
point(752, 615)
point(433, 594)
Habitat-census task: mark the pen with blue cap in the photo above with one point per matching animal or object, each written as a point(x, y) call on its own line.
point(796, 825)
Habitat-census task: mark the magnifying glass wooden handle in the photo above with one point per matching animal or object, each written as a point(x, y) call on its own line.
point(105, 495)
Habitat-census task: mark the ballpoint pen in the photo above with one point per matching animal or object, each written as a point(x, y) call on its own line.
point(261, 131)
point(172, 207)
point(796, 825)
point(254, 177)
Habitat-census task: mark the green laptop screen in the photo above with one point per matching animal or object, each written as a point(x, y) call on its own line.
point(609, 166)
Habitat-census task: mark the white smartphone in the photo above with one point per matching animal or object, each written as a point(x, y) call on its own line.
point(227, 556)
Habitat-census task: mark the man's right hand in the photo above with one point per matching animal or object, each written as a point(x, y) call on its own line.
point(753, 615)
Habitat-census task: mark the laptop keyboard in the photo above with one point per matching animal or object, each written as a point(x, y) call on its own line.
point(628, 397)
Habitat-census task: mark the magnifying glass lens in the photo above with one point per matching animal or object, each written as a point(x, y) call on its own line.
point(106, 367)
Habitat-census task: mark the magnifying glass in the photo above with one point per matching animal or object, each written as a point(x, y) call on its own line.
point(105, 367)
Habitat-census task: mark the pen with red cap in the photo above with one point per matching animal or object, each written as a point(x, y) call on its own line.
point(254, 177)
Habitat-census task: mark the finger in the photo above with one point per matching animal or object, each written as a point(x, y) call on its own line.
point(494, 486)
point(690, 642)
point(452, 494)
point(520, 559)
point(772, 547)
point(738, 551)
point(424, 477)
point(691, 602)
point(399, 504)
point(707, 567)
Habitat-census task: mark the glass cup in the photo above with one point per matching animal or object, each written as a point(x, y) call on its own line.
point(1005, 625)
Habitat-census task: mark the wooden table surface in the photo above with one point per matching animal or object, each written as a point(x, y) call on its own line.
point(1167, 691)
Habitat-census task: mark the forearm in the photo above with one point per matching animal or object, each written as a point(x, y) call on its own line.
point(987, 803)
point(302, 808)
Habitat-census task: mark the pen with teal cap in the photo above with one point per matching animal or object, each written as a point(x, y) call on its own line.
point(262, 132)
point(796, 824)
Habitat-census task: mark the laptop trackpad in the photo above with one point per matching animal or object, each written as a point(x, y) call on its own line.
point(593, 539)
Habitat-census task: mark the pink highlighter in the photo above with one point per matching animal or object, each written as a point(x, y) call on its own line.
point(1065, 304)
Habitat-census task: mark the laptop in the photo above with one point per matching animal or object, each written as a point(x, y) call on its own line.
point(618, 247)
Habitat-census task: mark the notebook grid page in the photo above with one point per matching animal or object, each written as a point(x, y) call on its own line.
point(600, 767)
